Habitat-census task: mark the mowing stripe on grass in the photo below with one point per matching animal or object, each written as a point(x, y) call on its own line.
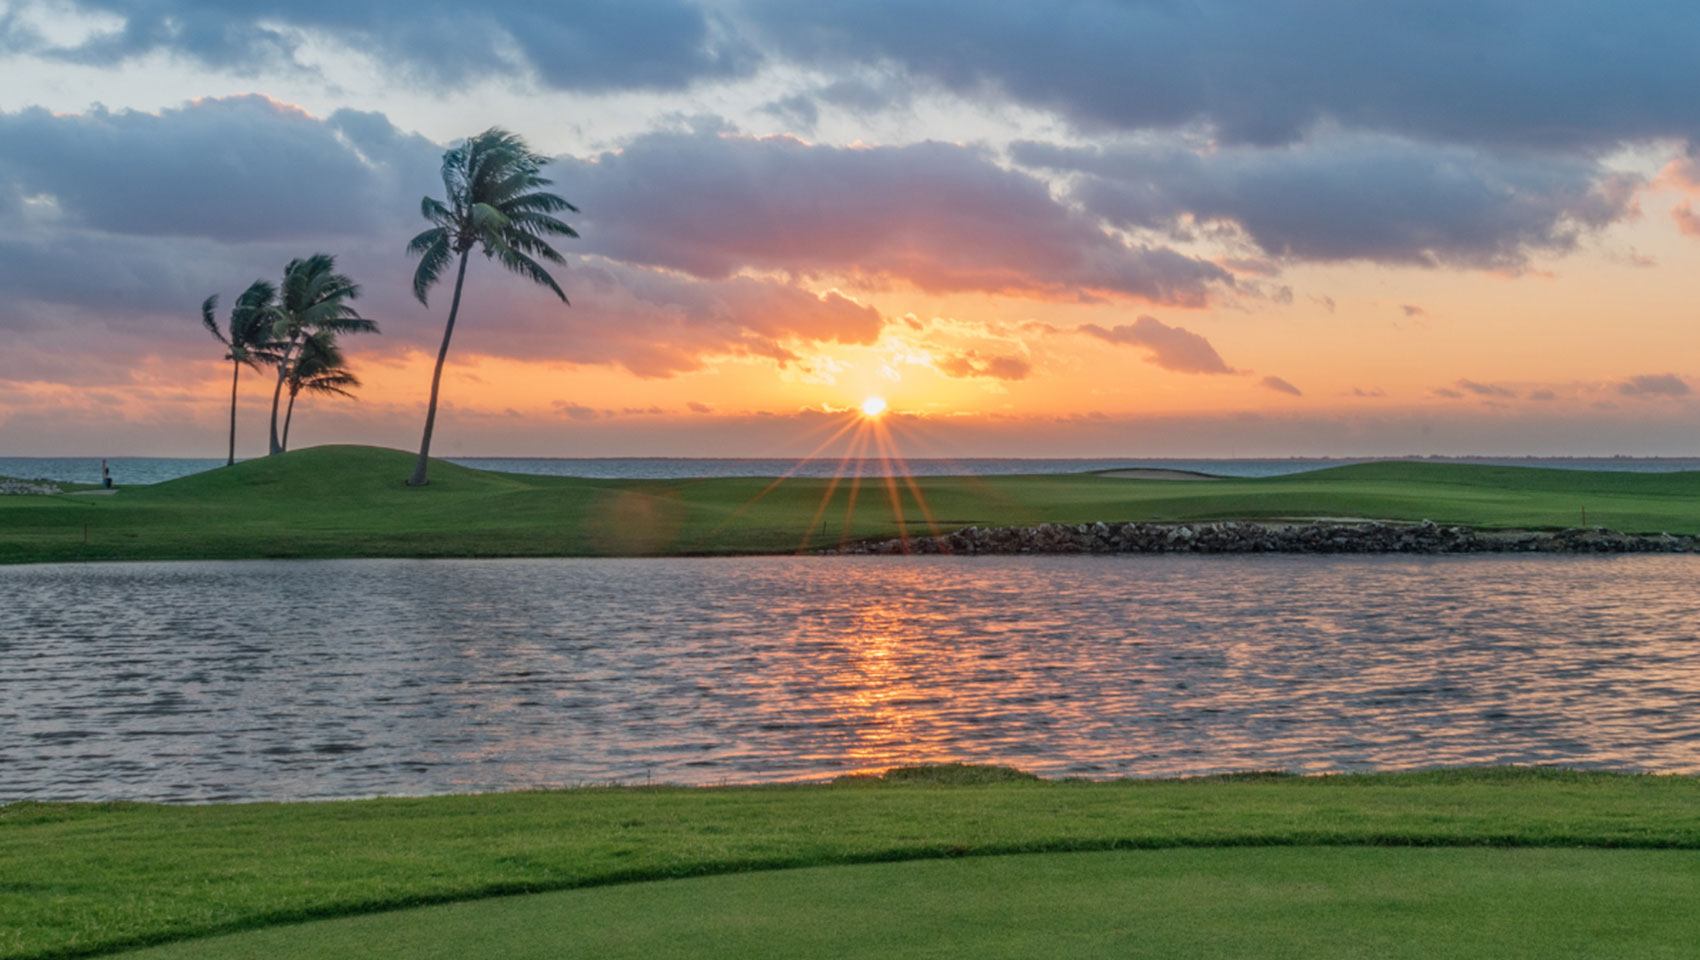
point(81, 879)
point(1266, 902)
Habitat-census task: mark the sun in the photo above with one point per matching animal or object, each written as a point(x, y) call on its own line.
point(873, 407)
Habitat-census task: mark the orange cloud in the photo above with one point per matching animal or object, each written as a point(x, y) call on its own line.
point(1686, 219)
point(973, 364)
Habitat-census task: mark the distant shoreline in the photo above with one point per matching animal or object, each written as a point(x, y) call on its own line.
point(138, 471)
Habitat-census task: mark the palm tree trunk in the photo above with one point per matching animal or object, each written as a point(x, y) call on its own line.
point(282, 365)
point(277, 392)
point(418, 478)
point(235, 372)
point(287, 416)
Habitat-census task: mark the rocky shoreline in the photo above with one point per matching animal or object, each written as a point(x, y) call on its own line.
point(1230, 536)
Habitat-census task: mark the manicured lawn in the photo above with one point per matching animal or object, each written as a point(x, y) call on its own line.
point(351, 502)
point(79, 879)
point(1296, 902)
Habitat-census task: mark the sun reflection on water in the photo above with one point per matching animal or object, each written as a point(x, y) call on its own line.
point(136, 680)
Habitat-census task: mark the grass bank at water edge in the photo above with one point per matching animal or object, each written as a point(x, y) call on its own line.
point(346, 501)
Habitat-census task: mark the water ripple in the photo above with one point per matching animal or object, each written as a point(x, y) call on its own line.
point(313, 679)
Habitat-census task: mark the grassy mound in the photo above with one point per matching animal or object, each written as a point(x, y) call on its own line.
point(82, 879)
point(350, 501)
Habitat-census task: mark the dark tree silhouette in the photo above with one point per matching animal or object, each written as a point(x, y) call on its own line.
point(248, 342)
point(319, 367)
point(493, 202)
point(313, 300)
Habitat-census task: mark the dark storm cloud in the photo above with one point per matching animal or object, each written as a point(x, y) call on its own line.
point(1353, 197)
point(941, 216)
point(1510, 72)
point(589, 45)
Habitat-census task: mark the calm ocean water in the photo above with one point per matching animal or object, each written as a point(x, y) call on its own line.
point(300, 679)
point(135, 470)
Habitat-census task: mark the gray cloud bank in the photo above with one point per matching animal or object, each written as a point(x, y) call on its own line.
point(1518, 73)
point(586, 45)
point(1521, 73)
point(1360, 197)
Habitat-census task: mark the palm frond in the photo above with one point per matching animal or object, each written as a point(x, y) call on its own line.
point(434, 258)
point(320, 367)
point(531, 244)
point(313, 298)
point(338, 382)
point(519, 178)
point(539, 201)
point(536, 223)
point(208, 307)
point(494, 201)
point(434, 211)
point(486, 218)
point(426, 239)
point(526, 267)
point(251, 322)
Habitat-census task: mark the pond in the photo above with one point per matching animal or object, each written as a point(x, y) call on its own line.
point(249, 680)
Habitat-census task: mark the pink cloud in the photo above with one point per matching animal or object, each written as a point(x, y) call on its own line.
point(1686, 219)
point(657, 323)
point(939, 216)
point(1172, 348)
point(973, 364)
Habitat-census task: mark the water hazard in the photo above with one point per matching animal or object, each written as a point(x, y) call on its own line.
point(310, 679)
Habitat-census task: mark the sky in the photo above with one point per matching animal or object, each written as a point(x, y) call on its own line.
point(1076, 228)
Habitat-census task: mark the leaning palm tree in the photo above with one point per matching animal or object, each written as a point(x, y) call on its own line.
point(248, 342)
point(319, 367)
point(493, 203)
point(313, 300)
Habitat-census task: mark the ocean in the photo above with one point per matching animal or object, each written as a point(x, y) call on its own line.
point(129, 471)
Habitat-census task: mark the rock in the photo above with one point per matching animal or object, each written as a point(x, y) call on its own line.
point(1241, 537)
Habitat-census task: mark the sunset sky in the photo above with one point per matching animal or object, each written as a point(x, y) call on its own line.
point(1158, 229)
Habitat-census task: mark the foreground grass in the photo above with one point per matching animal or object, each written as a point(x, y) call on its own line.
point(80, 879)
point(1264, 902)
point(351, 502)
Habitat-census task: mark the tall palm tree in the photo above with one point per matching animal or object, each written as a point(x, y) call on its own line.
point(493, 202)
point(248, 342)
point(319, 367)
point(313, 300)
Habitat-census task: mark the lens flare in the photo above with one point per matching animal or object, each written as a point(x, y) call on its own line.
point(873, 406)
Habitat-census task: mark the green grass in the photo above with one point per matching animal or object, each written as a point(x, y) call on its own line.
point(1296, 902)
point(350, 502)
point(78, 879)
